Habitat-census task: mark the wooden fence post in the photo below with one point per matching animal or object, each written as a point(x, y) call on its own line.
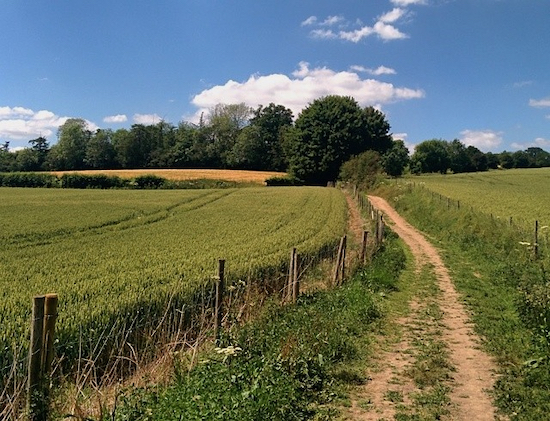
point(218, 311)
point(295, 280)
point(50, 316)
point(290, 280)
point(338, 270)
point(364, 247)
point(536, 239)
point(35, 396)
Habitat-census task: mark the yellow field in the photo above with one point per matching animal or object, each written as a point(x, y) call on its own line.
point(258, 177)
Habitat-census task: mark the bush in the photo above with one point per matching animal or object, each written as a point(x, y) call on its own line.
point(283, 181)
point(100, 181)
point(149, 181)
point(22, 179)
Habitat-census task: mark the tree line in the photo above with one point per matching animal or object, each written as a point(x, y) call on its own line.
point(333, 137)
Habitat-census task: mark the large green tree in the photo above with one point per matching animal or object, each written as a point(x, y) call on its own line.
point(327, 133)
point(272, 122)
point(431, 156)
point(70, 150)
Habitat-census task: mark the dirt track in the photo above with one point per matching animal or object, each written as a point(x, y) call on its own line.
point(474, 370)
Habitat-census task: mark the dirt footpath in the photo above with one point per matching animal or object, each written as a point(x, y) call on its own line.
point(474, 374)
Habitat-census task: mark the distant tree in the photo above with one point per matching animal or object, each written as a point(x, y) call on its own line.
point(7, 158)
point(272, 121)
point(378, 131)
point(396, 159)
point(431, 156)
point(224, 122)
point(521, 159)
point(326, 134)
point(40, 147)
point(26, 160)
point(492, 160)
point(478, 160)
point(100, 153)
point(250, 151)
point(538, 157)
point(458, 157)
point(506, 160)
point(70, 150)
point(362, 170)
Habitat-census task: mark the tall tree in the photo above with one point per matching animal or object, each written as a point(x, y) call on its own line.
point(396, 159)
point(327, 133)
point(378, 131)
point(272, 121)
point(431, 156)
point(70, 150)
point(100, 152)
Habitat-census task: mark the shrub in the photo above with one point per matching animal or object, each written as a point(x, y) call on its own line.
point(149, 181)
point(283, 181)
point(22, 179)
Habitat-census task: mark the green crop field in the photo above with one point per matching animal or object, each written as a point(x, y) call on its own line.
point(114, 256)
point(523, 194)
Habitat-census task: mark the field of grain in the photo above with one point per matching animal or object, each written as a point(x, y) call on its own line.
point(241, 176)
point(520, 194)
point(122, 258)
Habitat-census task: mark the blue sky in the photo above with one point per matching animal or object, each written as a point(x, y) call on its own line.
point(475, 70)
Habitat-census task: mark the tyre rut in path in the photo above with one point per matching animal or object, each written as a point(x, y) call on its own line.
point(474, 374)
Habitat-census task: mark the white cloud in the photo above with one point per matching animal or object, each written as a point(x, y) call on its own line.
point(310, 21)
point(383, 27)
point(485, 140)
point(119, 118)
point(332, 20)
point(392, 16)
point(302, 87)
point(540, 103)
point(323, 34)
point(20, 123)
point(147, 119)
point(380, 70)
point(539, 142)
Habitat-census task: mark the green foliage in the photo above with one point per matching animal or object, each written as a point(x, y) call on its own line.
point(283, 181)
point(33, 179)
point(396, 159)
point(363, 170)
point(282, 366)
point(149, 181)
point(99, 181)
point(431, 156)
point(328, 132)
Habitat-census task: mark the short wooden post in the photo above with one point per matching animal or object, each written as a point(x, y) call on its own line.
point(448, 203)
point(35, 397)
point(364, 247)
point(536, 239)
point(218, 311)
point(295, 276)
point(290, 280)
point(343, 275)
point(338, 267)
point(50, 316)
point(458, 204)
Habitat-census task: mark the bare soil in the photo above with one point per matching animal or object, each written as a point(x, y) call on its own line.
point(474, 371)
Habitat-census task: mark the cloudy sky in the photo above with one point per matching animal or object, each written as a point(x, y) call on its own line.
point(474, 70)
